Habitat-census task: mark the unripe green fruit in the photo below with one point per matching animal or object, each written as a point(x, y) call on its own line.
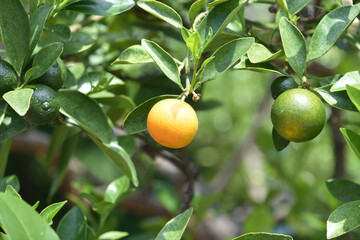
point(282, 84)
point(55, 76)
point(44, 106)
point(298, 115)
point(8, 78)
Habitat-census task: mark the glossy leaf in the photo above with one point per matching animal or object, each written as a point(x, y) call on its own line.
point(45, 58)
point(279, 142)
point(330, 28)
point(343, 189)
point(225, 57)
point(336, 99)
point(101, 7)
point(294, 45)
point(116, 188)
point(135, 121)
point(344, 219)
point(164, 60)
point(15, 31)
point(113, 235)
point(62, 31)
point(195, 9)
point(283, 5)
point(258, 67)
point(37, 23)
point(350, 78)
point(29, 73)
point(19, 100)
point(132, 55)
point(97, 82)
point(11, 191)
point(103, 208)
point(175, 228)
point(78, 42)
point(259, 53)
point(353, 140)
point(121, 159)
point(86, 112)
point(50, 211)
point(296, 6)
point(263, 236)
point(9, 180)
point(73, 225)
point(162, 11)
point(193, 43)
point(12, 124)
point(21, 221)
point(354, 94)
point(218, 18)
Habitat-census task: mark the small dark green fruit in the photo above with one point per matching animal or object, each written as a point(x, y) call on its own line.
point(282, 84)
point(8, 78)
point(55, 76)
point(44, 105)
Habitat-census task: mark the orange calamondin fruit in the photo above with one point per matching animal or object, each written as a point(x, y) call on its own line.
point(172, 123)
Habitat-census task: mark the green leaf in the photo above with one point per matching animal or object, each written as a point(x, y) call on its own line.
point(19, 100)
point(121, 159)
point(258, 53)
point(330, 28)
point(93, 82)
point(79, 42)
point(294, 45)
point(258, 67)
point(37, 23)
point(218, 18)
point(352, 139)
point(296, 6)
point(116, 188)
point(195, 9)
point(9, 180)
point(102, 208)
point(45, 58)
point(86, 112)
point(279, 142)
point(15, 31)
point(134, 54)
point(344, 219)
point(11, 191)
point(50, 211)
point(343, 189)
point(263, 236)
point(12, 124)
point(29, 73)
point(164, 60)
point(350, 78)
point(354, 95)
point(336, 99)
point(161, 11)
point(101, 7)
point(193, 43)
point(175, 228)
point(62, 31)
point(284, 6)
point(225, 57)
point(21, 221)
point(3, 107)
point(73, 225)
point(113, 235)
point(68, 147)
point(135, 122)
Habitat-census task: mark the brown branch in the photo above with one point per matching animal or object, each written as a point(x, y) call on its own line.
point(338, 142)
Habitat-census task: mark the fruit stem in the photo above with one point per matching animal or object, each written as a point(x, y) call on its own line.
point(185, 94)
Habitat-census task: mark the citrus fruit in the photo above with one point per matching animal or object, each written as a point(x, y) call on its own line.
point(8, 77)
point(44, 105)
point(55, 76)
point(282, 84)
point(172, 123)
point(298, 115)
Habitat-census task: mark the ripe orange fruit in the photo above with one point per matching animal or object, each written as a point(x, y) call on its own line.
point(298, 115)
point(172, 123)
